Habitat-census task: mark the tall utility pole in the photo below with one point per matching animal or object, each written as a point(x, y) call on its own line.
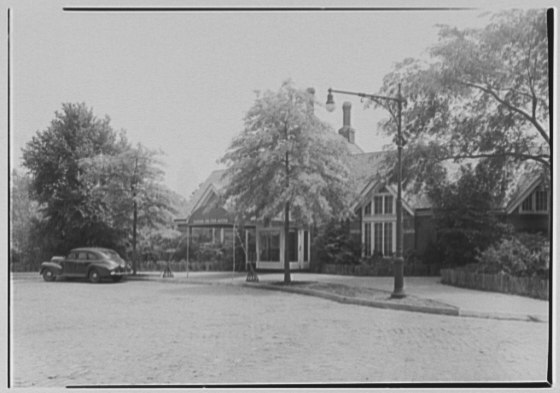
point(134, 217)
point(287, 277)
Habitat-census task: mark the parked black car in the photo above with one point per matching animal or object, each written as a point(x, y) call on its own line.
point(93, 263)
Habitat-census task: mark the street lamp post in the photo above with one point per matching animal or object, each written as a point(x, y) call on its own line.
point(398, 263)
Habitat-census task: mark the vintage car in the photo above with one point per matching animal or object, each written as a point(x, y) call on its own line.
point(93, 263)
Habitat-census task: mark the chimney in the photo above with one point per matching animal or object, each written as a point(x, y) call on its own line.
point(347, 131)
point(311, 92)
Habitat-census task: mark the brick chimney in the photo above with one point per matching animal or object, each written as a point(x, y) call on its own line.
point(311, 92)
point(347, 131)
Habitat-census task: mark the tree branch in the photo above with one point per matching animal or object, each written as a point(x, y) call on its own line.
point(531, 119)
point(541, 158)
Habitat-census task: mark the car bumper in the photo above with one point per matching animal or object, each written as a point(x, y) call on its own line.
point(120, 272)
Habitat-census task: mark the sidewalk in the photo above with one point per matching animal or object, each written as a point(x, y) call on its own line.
point(424, 294)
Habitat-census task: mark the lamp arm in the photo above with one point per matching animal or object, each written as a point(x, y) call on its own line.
point(372, 97)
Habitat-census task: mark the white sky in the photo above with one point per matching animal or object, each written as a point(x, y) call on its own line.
point(182, 81)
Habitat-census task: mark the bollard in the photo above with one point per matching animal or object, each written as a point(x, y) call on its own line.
point(398, 271)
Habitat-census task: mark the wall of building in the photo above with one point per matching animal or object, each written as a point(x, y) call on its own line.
point(529, 222)
point(425, 231)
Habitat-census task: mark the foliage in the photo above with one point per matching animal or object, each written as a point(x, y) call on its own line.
point(219, 252)
point(286, 159)
point(483, 93)
point(463, 212)
point(127, 192)
point(285, 153)
point(511, 256)
point(92, 187)
point(335, 244)
point(156, 243)
point(24, 213)
point(210, 252)
point(52, 158)
point(375, 258)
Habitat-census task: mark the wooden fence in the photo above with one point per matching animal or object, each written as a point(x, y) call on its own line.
point(525, 286)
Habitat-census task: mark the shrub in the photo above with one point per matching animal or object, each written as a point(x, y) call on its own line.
point(511, 256)
point(374, 259)
point(336, 244)
point(463, 211)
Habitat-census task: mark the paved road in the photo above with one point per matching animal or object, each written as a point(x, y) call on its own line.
point(147, 332)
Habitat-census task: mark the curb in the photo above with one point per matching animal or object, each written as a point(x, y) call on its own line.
point(449, 310)
point(504, 316)
point(360, 302)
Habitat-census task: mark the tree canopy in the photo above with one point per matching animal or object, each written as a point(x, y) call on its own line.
point(287, 159)
point(483, 93)
point(24, 215)
point(92, 186)
point(463, 210)
point(285, 153)
point(127, 192)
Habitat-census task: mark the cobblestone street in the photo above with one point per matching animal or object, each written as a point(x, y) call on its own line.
point(149, 332)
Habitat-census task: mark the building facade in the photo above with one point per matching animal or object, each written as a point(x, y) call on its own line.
point(207, 220)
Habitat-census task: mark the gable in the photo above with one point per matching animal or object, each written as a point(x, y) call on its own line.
point(525, 199)
point(376, 188)
point(215, 182)
point(208, 197)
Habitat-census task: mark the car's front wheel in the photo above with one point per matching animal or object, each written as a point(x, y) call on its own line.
point(94, 276)
point(117, 278)
point(48, 275)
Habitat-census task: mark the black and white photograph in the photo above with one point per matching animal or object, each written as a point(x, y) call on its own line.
point(279, 195)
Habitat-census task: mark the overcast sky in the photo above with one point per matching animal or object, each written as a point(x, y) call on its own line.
point(182, 81)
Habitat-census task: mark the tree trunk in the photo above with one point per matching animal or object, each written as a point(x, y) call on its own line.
point(134, 222)
point(287, 278)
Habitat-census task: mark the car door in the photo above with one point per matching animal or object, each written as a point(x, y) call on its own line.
point(81, 263)
point(92, 257)
point(69, 264)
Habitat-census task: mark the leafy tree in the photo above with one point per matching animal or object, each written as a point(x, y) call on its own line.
point(287, 160)
point(24, 214)
point(127, 194)
point(483, 93)
point(52, 158)
point(464, 210)
point(92, 187)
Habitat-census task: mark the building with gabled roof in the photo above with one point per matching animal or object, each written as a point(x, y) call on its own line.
point(208, 220)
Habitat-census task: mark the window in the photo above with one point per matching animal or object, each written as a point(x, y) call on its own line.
point(293, 246)
point(378, 238)
point(305, 246)
point(251, 245)
point(202, 235)
point(228, 236)
point(527, 204)
point(269, 246)
point(541, 199)
point(382, 238)
point(377, 205)
point(382, 204)
point(388, 238)
point(367, 209)
point(536, 202)
point(388, 204)
point(367, 238)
